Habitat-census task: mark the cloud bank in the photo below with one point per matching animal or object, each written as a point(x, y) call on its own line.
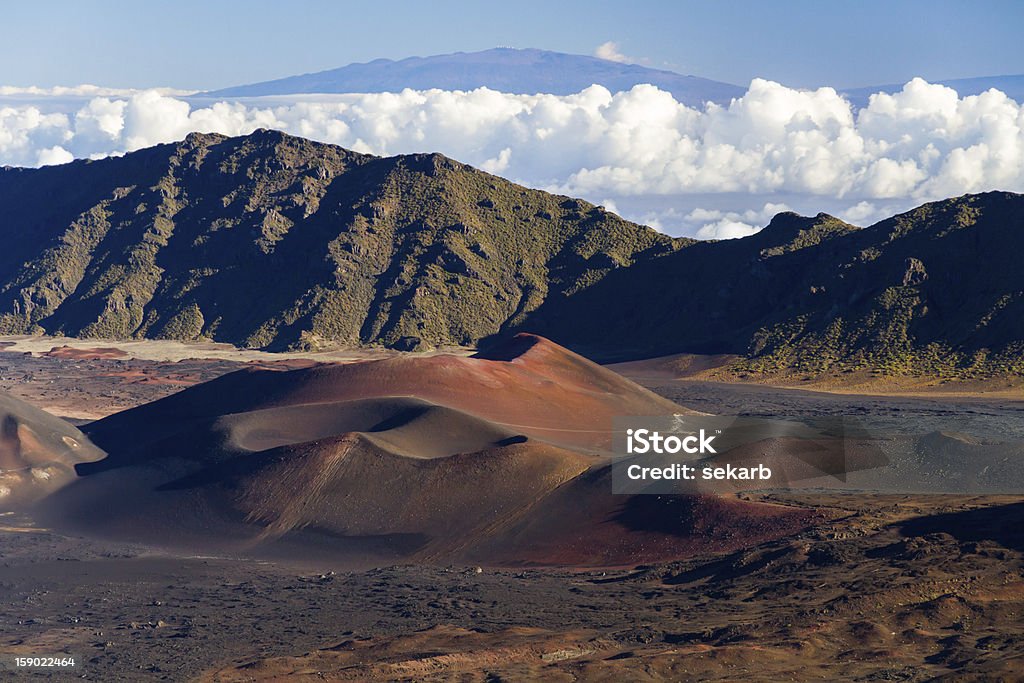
point(789, 147)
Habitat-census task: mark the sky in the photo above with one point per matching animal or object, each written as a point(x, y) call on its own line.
point(210, 44)
point(790, 142)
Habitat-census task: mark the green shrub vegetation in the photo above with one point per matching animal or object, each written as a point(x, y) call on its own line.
point(271, 241)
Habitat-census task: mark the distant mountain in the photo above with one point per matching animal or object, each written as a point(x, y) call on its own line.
point(274, 241)
point(1013, 86)
point(937, 290)
point(504, 69)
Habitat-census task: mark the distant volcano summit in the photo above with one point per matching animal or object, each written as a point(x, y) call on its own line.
point(503, 69)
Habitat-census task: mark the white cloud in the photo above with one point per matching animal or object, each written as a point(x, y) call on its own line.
point(863, 213)
point(725, 225)
point(804, 148)
point(54, 155)
point(81, 91)
point(726, 229)
point(703, 222)
point(610, 51)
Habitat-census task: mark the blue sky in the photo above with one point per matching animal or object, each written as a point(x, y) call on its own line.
point(190, 44)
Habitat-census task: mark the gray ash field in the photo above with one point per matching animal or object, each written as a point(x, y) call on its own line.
point(898, 589)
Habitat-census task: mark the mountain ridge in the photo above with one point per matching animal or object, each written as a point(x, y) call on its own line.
point(271, 241)
point(905, 295)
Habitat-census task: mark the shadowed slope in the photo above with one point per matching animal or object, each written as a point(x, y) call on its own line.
point(935, 291)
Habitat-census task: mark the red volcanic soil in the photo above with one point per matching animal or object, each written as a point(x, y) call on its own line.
point(286, 364)
point(100, 353)
point(529, 385)
point(499, 458)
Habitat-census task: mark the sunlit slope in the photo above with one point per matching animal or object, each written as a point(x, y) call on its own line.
point(38, 452)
